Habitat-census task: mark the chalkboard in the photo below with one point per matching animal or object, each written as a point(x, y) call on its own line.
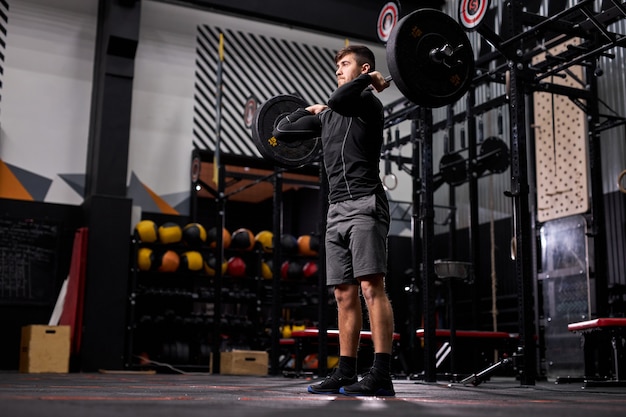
point(28, 260)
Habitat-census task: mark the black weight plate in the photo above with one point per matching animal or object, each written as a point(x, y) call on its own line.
point(420, 77)
point(494, 155)
point(292, 154)
point(453, 168)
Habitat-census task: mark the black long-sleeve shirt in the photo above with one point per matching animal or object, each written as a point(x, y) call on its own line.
point(351, 130)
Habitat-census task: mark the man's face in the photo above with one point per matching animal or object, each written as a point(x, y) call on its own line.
point(348, 69)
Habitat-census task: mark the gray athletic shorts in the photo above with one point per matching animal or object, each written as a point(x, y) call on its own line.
point(356, 239)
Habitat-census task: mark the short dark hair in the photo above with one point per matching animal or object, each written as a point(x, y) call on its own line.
point(362, 54)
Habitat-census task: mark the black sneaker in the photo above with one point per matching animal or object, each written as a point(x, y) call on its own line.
point(370, 385)
point(332, 383)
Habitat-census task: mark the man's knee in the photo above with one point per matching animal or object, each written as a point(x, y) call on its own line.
point(346, 295)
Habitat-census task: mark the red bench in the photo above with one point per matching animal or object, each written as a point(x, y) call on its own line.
point(487, 341)
point(334, 334)
point(602, 335)
point(477, 334)
point(303, 338)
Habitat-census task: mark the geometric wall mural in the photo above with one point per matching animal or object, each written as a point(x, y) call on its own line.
point(19, 184)
point(254, 66)
point(147, 199)
point(76, 182)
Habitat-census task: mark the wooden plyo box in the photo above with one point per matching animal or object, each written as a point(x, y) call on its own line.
point(45, 349)
point(244, 362)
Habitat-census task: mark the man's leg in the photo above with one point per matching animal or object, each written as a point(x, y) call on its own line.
point(378, 381)
point(379, 311)
point(350, 320)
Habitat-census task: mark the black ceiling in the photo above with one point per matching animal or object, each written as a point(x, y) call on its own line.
point(345, 18)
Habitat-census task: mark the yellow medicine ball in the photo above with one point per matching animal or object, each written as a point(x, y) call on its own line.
point(266, 270)
point(191, 261)
point(170, 232)
point(145, 259)
point(265, 241)
point(146, 231)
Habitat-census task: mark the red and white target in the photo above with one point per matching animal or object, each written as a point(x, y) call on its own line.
point(387, 19)
point(472, 12)
point(249, 111)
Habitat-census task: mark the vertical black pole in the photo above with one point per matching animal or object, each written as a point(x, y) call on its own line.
point(415, 240)
point(428, 239)
point(219, 172)
point(521, 210)
point(598, 221)
point(474, 232)
point(276, 261)
point(452, 242)
point(106, 208)
point(322, 287)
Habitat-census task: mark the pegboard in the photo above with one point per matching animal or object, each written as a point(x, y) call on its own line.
point(561, 157)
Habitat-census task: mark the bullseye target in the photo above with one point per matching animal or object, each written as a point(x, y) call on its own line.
point(472, 12)
point(249, 110)
point(387, 19)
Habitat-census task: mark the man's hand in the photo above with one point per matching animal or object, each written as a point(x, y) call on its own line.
point(316, 108)
point(378, 81)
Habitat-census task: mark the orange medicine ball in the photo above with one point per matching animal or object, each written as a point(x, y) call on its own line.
point(170, 261)
point(212, 237)
point(308, 245)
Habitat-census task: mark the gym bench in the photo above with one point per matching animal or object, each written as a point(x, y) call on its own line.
point(485, 341)
point(303, 339)
point(602, 338)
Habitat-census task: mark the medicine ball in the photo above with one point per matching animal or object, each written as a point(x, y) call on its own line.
point(194, 234)
point(310, 270)
point(291, 270)
point(283, 270)
point(266, 270)
point(212, 237)
point(242, 239)
point(145, 259)
point(170, 232)
point(191, 261)
point(147, 231)
point(265, 241)
point(236, 267)
point(210, 265)
point(289, 244)
point(169, 261)
point(308, 245)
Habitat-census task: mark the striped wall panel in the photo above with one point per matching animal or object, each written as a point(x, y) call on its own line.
point(4, 20)
point(254, 66)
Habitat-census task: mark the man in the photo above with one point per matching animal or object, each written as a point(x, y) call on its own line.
point(351, 130)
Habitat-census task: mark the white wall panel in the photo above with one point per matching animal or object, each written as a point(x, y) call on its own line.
point(46, 92)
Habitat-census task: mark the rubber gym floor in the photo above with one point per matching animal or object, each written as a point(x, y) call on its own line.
point(133, 394)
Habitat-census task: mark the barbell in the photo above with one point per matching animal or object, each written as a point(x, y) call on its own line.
point(430, 60)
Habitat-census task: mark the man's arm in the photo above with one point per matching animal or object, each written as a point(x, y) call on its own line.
point(299, 125)
point(346, 100)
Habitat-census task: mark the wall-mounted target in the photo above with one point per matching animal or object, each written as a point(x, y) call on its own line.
point(472, 13)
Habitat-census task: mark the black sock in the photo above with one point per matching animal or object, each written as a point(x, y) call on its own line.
point(382, 363)
point(347, 365)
